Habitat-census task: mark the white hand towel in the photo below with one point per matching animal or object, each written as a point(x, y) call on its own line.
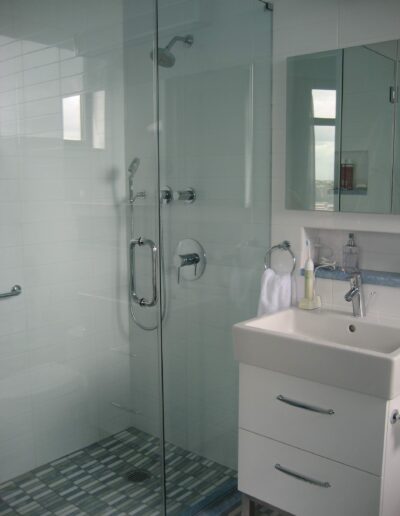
point(276, 292)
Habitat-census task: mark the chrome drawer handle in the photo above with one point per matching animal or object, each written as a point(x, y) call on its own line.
point(305, 406)
point(15, 291)
point(304, 478)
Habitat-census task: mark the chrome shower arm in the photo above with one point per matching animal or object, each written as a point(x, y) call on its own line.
point(188, 40)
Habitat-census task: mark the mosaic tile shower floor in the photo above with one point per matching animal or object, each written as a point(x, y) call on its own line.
point(93, 481)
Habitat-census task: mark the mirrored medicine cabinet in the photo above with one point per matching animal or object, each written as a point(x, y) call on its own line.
point(343, 130)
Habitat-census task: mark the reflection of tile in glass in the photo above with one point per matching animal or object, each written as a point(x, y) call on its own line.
point(99, 119)
point(72, 118)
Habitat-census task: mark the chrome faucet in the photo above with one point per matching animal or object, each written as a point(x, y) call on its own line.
point(356, 295)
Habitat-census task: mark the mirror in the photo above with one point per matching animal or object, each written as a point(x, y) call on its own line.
point(341, 130)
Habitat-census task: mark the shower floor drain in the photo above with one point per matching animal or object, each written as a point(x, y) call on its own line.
point(137, 475)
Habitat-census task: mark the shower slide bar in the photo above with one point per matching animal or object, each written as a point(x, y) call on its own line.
point(15, 291)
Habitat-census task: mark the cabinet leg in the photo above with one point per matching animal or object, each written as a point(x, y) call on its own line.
point(248, 506)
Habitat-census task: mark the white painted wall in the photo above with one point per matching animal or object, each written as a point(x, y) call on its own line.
point(306, 27)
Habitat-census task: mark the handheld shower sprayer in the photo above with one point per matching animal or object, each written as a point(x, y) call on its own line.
point(132, 169)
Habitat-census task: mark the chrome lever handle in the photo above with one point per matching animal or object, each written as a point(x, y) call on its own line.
point(185, 260)
point(15, 291)
point(305, 406)
point(299, 476)
point(142, 301)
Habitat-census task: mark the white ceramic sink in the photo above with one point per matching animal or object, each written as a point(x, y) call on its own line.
point(324, 346)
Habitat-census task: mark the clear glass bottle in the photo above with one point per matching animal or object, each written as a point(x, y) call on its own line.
point(350, 255)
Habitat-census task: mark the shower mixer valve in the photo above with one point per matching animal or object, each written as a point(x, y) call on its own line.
point(186, 260)
point(189, 260)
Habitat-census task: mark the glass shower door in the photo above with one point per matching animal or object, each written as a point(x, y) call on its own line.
point(79, 379)
point(215, 102)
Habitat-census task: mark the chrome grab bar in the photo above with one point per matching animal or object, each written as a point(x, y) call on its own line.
point(299, 476)
point(15, 291)
point(305, 406)
point(154, 250)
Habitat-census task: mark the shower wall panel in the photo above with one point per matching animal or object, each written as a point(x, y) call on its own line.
point(215, 119)
point(64, 353)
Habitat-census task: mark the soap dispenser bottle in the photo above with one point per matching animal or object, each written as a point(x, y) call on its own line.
point(350, 255)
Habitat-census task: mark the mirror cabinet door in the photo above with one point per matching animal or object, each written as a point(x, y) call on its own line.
point(396, 165)
point(369, 73)
point(313, 131)
point(343, 130)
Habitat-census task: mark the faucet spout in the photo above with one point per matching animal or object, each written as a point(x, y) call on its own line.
point(356, 295)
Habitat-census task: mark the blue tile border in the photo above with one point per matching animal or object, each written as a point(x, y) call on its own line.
point(369, 277)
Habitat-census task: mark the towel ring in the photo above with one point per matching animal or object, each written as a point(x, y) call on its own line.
point(283, 246)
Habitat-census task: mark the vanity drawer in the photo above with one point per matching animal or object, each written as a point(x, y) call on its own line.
point(332, 490)
point(353, 433)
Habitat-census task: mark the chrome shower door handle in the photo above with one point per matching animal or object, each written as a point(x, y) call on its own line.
point(154, 252)
point(15, 291)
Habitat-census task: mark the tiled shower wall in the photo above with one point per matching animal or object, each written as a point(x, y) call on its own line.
point(313, 26)
point(64, 340)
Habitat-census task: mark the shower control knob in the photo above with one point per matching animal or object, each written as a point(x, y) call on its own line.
point(188, 195)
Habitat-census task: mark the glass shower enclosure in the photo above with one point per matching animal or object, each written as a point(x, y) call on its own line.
point(134, 200)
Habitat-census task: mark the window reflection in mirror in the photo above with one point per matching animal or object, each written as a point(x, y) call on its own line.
point(324, 119)
point(367, 127)
point(313, 122)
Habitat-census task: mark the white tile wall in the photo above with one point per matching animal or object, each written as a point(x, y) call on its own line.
point(64, 352)
point(313, 26)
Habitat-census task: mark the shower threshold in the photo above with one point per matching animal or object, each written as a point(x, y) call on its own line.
point(116, 476)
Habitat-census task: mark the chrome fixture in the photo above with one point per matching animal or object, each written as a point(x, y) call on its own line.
point(188, 195)
point(15, 291)
point(166, 195)
point(132, 169)
point(283, 246)
point(134, 299)
point(142, 301)
point(305, 406)
point(395, 417)
point(139, 195)
point(299, 476)
point(165, 57)
point(356, 295)
point(189, 260)
point(268, 6)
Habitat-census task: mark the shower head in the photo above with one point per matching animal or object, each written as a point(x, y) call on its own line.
point(165, 57)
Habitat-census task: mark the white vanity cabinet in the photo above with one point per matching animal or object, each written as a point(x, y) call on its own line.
point(317, 450)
